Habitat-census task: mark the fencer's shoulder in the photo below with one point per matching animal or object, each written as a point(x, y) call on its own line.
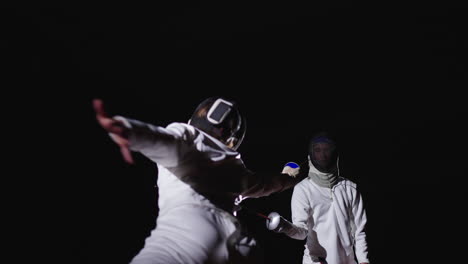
point(178, 125)
point(182, 131)
point(346, 183)
point(181, 128)
point(303, 185)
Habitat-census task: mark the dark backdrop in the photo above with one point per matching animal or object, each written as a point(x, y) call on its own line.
point(386, 77)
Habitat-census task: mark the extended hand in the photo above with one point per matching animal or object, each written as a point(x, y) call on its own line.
point(116, 128)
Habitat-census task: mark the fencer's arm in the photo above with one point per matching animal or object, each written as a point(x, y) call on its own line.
point(115, 128)
point(161, 145)
point(264, 184)
point(164, 146)
point(279, 224)
point(360, 220)
point(301, 212)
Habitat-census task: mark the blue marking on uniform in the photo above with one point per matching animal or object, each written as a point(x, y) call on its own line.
point(322, 139)
point(292, 165)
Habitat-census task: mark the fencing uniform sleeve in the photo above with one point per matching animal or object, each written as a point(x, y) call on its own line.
point(360, 221)
point(277, 223)
point(162, 145)
point(264, 184)
point(300, 213)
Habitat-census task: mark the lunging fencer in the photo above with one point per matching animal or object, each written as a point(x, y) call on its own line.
point(327, 209)
point(201, 177)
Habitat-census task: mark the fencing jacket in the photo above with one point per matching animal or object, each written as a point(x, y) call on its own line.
point(199, 178)
point(332, 219)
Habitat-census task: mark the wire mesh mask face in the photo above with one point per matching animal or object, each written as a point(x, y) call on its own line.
point(323, 154)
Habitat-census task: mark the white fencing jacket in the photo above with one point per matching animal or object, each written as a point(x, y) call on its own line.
point(332, 219)
point(199, 178)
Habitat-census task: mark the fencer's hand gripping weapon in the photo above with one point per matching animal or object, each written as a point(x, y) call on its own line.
point(277, 223)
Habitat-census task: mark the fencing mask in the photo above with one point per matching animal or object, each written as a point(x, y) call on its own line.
point(221, 119)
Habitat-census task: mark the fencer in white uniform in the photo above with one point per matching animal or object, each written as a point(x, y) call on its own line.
point(200, 177)
point(326, 209)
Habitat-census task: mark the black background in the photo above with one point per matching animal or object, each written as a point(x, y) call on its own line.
point(387, 78)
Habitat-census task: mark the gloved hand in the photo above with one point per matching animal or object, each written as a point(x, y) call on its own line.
point(277, 223)
point(291, 168)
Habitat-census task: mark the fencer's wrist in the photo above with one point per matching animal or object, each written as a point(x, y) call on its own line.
point(137, 132)
point(123, 121)
point(121, 135)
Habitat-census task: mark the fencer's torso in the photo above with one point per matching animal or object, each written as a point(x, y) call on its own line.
point(198, 181)
point(206, 173)
point(330, 226)
point(193, 167)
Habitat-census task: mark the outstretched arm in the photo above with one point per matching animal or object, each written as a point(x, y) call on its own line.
point(263, 184)
point(116, 128)
point(301, 215)
point(165, 146)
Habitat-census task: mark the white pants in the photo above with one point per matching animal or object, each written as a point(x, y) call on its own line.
point(188, 234)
